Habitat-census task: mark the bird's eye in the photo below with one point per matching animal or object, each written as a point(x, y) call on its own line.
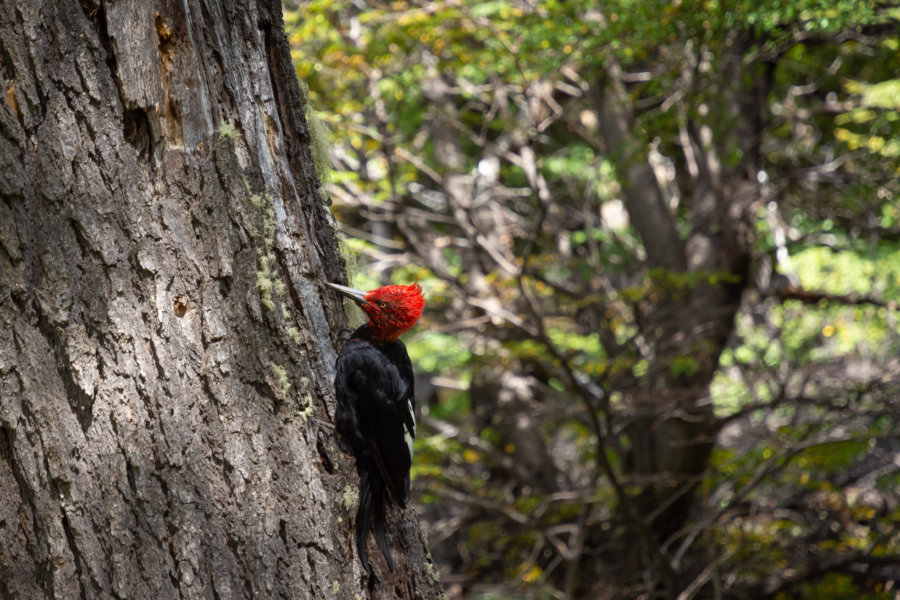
point(382, 304)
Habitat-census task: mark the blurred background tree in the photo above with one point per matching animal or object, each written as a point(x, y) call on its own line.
point(660, 243)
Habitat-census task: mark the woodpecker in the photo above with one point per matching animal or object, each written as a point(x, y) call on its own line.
point(376, 403)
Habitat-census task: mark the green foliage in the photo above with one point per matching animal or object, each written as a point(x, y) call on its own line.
point(436, 352)
point(837, 586)
point(572, 303)
point(684, 365)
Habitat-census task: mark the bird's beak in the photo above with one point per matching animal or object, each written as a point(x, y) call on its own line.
point(357, 296)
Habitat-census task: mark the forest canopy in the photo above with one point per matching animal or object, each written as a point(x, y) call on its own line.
point(660, 243)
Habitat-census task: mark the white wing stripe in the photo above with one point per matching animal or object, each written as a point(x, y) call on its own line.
point(409, 441)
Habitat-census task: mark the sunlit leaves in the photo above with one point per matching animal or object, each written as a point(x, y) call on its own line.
point(502, 77)
point(436, 352)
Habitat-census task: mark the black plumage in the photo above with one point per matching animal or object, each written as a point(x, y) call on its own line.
point(375, 415)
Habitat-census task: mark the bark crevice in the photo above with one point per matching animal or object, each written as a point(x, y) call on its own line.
point(76, 555)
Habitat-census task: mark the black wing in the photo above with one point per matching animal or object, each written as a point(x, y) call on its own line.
point(375, 415)
point(375, 393)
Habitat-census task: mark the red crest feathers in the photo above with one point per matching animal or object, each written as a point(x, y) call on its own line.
point(393, 309)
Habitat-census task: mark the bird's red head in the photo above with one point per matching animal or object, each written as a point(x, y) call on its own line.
point(391, 309)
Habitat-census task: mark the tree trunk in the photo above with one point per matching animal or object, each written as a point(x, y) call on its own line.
point(166, 343)
point(671, 427)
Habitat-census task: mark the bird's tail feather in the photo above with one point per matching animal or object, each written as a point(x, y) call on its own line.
point(364, 521)
point(379, 531)
point(370, 516)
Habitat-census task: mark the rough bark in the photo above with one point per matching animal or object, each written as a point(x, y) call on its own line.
point(166, 343)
